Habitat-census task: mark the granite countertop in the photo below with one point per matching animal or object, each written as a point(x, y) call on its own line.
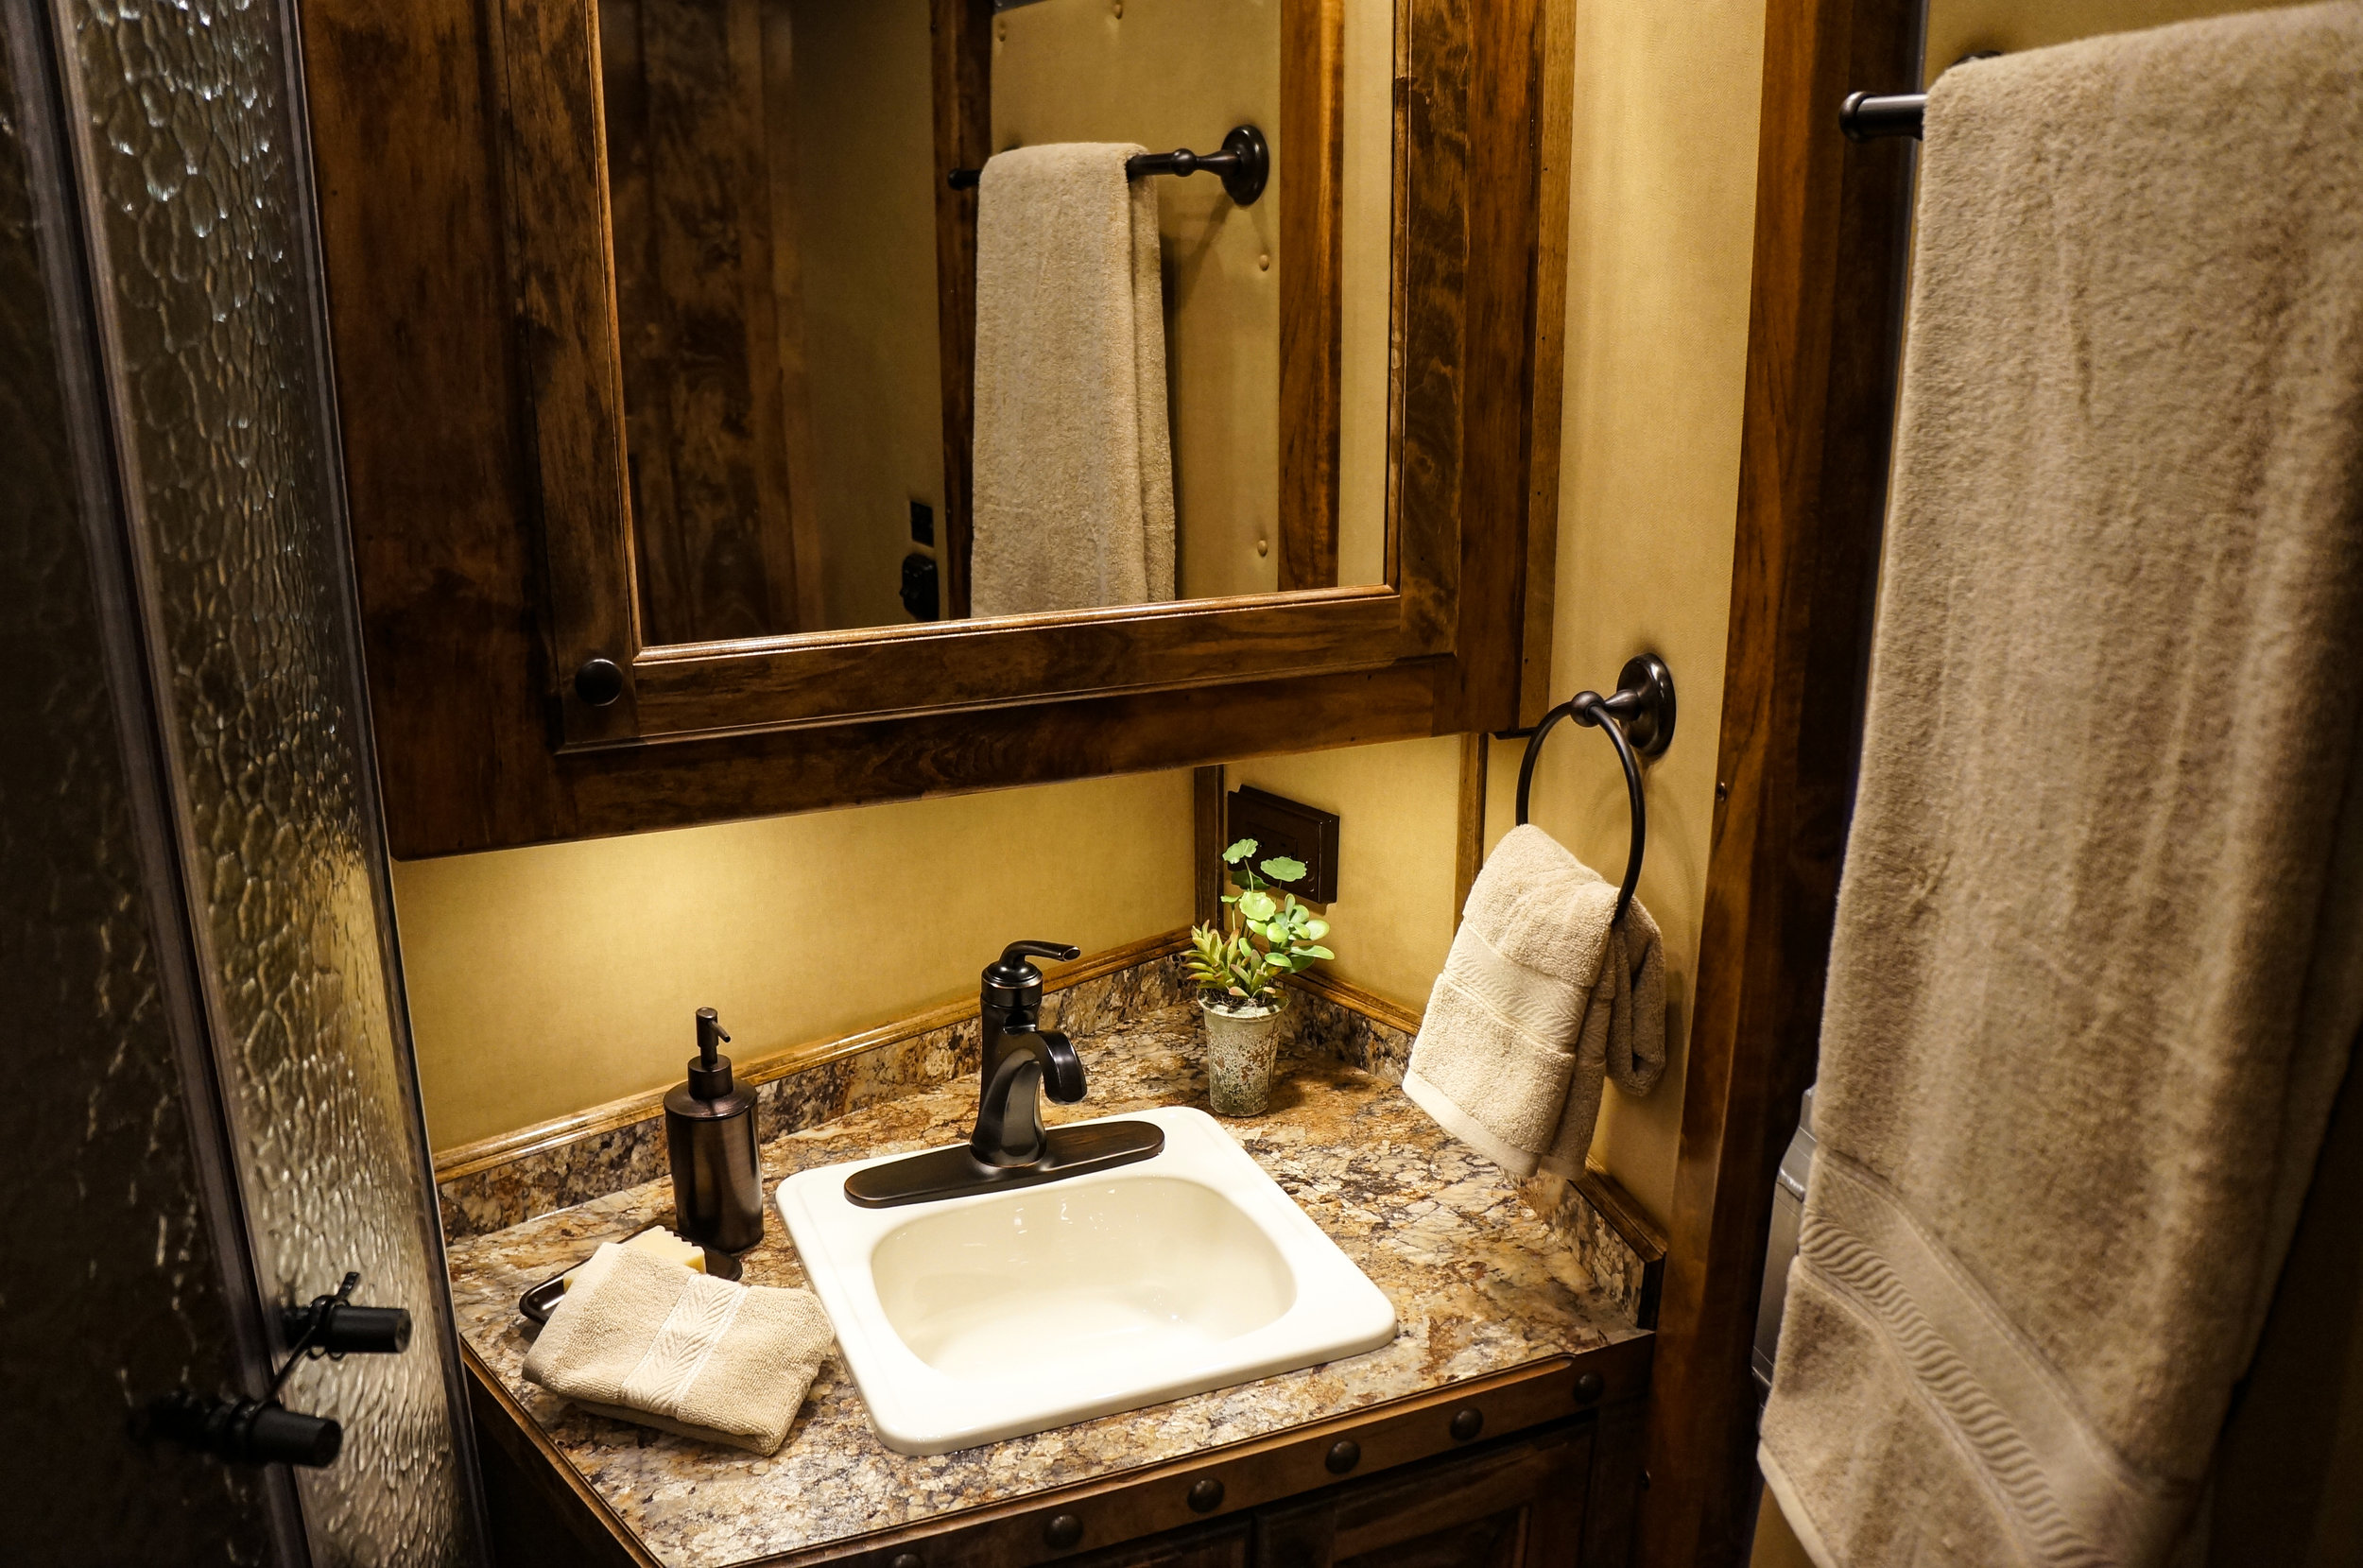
point(1479, 1281)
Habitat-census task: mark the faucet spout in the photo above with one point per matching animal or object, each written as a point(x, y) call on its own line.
point(1010, 1146)
point(1008, 1115)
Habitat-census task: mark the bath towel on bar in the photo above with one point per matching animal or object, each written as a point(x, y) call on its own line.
point(1541, 999)
point(1073, 460)
point(641, 1339)
point(2098, 960)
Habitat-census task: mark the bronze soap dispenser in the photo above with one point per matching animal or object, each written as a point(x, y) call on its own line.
point(709, 1130)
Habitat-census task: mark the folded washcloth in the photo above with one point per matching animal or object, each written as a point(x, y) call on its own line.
point(644, 1340)
point(1541, 997)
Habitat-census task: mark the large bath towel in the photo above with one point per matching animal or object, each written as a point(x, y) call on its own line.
point(1073, 460)
point(2098, 961)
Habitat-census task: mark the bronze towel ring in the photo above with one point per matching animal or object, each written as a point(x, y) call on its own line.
point(1639, 719)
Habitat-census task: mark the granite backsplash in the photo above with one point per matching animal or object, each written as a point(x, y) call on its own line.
point(598, 1164)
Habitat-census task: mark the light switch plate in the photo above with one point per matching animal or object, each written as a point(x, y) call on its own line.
point(1282, 826)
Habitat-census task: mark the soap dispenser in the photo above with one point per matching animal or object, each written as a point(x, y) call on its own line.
point(709, 1130)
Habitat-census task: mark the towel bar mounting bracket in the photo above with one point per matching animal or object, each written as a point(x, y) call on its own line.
point(1639, 721)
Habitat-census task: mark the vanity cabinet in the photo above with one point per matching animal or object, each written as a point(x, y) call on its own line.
point(1416, 1483)
point(1520, 1504)
point(1225, 1545)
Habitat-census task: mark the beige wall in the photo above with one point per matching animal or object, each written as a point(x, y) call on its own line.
point(1170, 74)
point(864, 233)
point(545, 980)
point(1660, 238)
point(1396, 805)
point(1366, 217)
point(1659, 241)
point(1957, 28)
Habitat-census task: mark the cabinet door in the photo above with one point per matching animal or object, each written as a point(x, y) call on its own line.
point(1212, 1546)
point(1516, 1506)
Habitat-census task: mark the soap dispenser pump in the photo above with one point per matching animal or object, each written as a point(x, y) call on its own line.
point(710, 1132)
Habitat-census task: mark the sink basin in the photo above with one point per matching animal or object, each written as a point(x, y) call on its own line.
point(988, 1316)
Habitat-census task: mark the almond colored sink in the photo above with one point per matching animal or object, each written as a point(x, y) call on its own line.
point(988, 1316)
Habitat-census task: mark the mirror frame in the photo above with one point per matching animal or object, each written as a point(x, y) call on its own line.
point(486, 477)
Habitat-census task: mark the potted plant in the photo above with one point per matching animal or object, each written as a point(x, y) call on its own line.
point(1238, 963)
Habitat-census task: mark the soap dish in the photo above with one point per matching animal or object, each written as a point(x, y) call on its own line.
point(539, 1303)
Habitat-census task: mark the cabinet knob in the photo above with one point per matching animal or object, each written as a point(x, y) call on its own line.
point(1206, 1496)
point(1589, 1387)
point(1343, 1455)
point(1063, 1530)
point(908, 1560)
point(600, 681)
point(1467, 1423)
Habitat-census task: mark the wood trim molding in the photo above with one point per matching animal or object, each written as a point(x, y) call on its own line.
point(1469, 830)
point(1311, 189)
point(1832, 223)
point(1556, 151)
point(1623, 1213)
point(1466, 146)
point(961, 52)
point(1354, 999)
point(1206, 841)
point(468, 1158)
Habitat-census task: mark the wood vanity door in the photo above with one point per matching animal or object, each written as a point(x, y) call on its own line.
point(1520, 1506)
point(1212, 1546)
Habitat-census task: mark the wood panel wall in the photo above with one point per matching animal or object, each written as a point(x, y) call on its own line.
point(1831, 222)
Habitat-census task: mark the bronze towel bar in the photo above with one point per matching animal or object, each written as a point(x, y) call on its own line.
point(1244, 165)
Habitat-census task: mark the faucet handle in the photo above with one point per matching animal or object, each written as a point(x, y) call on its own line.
point(1015, 954)
point(1014, 983)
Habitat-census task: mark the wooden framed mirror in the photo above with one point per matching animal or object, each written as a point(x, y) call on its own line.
point(607, 410)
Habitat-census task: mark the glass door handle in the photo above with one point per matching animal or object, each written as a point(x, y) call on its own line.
point(262, 1431)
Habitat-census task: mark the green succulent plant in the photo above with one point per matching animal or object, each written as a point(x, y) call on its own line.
point(1238, 962)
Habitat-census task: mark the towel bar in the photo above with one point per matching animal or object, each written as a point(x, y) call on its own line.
point(1639, 720)
point(1244, 165)
point(1870, 117)
point(1876, 117)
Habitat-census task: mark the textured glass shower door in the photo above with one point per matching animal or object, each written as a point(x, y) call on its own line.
point(195, 920)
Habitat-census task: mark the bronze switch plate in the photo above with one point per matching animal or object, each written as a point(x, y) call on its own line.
point(1282, 826)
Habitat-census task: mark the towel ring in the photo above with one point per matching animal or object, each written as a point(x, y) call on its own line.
point(1639, 720)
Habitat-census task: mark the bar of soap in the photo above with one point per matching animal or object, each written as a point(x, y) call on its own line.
point(662, 1243)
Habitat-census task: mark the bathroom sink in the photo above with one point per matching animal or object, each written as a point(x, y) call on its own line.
point(991, 1315)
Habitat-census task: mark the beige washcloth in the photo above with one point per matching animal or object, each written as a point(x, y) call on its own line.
point(1541, 997)
point(2097, 958)
point(1073, 460)
point(644, 1340)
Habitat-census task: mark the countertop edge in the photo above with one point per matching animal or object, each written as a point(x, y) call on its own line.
point(1131, 1503)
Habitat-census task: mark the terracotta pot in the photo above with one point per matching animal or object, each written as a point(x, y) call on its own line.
point(1240, 1048)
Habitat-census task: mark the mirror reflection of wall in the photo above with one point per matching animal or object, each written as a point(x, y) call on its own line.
point(773, 172)
point(862, 147)
point(770, 164)
point(1178, 74)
